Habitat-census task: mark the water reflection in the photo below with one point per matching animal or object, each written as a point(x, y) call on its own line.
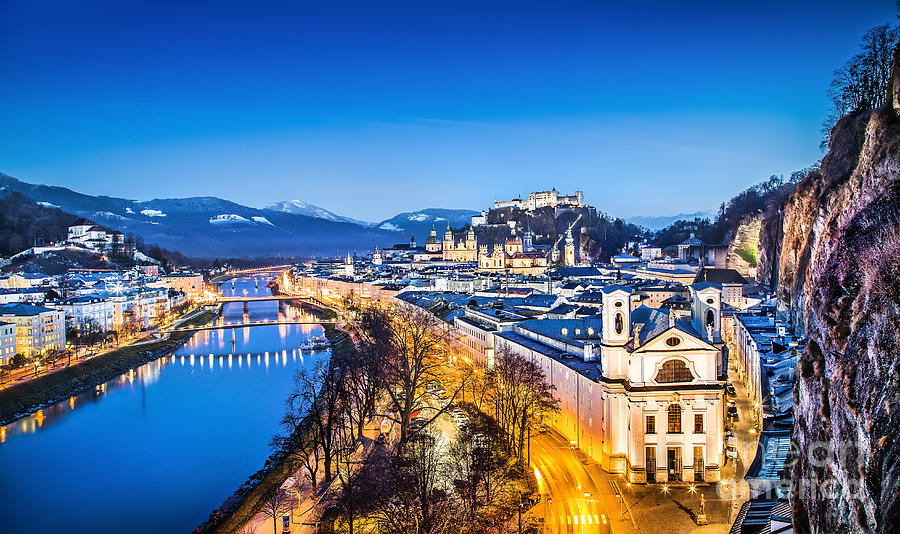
point(197, 398)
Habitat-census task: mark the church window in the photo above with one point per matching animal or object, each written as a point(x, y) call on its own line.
point(710, 319)
point(673, 341)
point(710, 301)
point(674, 414)
point(618, 304)
point(651, 424)
point(698, 423)
point(620, 326)
point(674, 371)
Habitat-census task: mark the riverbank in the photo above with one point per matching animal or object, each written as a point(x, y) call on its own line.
point(22, 399)
point(250, 497)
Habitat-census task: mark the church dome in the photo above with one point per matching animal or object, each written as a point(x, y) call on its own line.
point(432, 240)
point(513, 240)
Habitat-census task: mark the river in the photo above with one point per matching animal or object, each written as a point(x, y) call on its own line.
point(158, 448)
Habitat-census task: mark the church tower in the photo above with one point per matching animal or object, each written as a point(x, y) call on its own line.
point(471, 242)
point(432, 244)
point(348, 266)
point(527, 245)
point(376, 256)
point(447, 245)
point(570, 249)
point(616, 313)
point(706, 310)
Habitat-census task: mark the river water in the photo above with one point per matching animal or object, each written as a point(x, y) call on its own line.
point(158, 448)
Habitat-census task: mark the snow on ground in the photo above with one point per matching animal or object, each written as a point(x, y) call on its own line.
point(140, 256)
point(262, 220)
point(48, 205)
point(129, 210)
point(108, 215)
point(390, 226)
point(418, 217)
point(152, 213)
point(228, 218)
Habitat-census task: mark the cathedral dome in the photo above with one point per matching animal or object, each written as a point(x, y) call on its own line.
point(513, 240)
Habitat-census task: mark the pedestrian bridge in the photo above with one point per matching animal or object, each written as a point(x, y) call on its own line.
point(235, 326)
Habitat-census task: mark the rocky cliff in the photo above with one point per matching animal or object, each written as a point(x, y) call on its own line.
point(835, 254)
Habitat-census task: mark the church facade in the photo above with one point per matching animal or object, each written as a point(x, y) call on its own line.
point(641, 392)
point(515, 256)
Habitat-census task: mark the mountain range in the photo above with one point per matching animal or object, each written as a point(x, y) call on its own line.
point(658, 222)
point(214, 227)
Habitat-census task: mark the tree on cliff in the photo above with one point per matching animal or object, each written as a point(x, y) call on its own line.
point(864, 82)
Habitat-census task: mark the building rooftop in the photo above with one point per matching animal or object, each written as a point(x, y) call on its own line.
point(20, 310)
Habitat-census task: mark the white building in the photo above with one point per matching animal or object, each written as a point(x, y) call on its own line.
point(96, 237)
point(7, 342)
point(640, 391)
point(37, 328)
point(541, 199)
point(87, 313)
point(477, 326)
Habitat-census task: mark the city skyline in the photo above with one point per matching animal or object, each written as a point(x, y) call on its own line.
point(369, 112)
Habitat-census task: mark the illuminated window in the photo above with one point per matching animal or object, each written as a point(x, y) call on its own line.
point(674, 412)
point(698, 423)
point(651, 424)
point(674, 371)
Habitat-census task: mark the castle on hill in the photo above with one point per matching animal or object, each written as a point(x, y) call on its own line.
point(542, 199)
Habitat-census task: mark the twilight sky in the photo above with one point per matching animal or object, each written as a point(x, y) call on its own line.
point(372, 108)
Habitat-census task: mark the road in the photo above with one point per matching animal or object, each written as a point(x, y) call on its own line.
point(578, 505)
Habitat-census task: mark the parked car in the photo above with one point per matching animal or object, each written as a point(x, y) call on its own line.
point(733, 412)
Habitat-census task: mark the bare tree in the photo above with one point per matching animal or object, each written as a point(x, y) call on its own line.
point(318, 394)
point(414, 357)
point(418, 503)
point(277, 503)
point(522, 396)
point(864, 82)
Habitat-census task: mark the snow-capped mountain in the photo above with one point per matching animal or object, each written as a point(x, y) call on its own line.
point(419, 223)
point(211, 226)
point(298, 207)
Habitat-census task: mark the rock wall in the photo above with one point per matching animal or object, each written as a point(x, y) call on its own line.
point(745, 238)
point(838, 275)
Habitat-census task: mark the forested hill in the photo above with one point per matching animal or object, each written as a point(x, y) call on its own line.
point(756, 200)
point(24, 222)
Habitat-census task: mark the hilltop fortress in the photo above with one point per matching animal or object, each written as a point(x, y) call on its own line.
point(541, 199)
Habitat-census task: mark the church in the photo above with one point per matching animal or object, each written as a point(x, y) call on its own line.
point(516, 255)
point(641, 391)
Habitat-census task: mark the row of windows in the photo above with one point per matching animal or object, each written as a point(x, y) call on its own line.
point(674, 417)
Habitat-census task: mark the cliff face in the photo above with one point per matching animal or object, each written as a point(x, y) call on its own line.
point(839, 276)
point(743, 249)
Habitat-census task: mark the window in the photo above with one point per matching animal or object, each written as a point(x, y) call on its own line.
point(698, 423)
point(674, 371)
point(674, 412)
point(651, 424)
point(620, 324)
point(673, 341)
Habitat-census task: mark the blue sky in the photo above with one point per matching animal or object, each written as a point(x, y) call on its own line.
point(372, 108)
